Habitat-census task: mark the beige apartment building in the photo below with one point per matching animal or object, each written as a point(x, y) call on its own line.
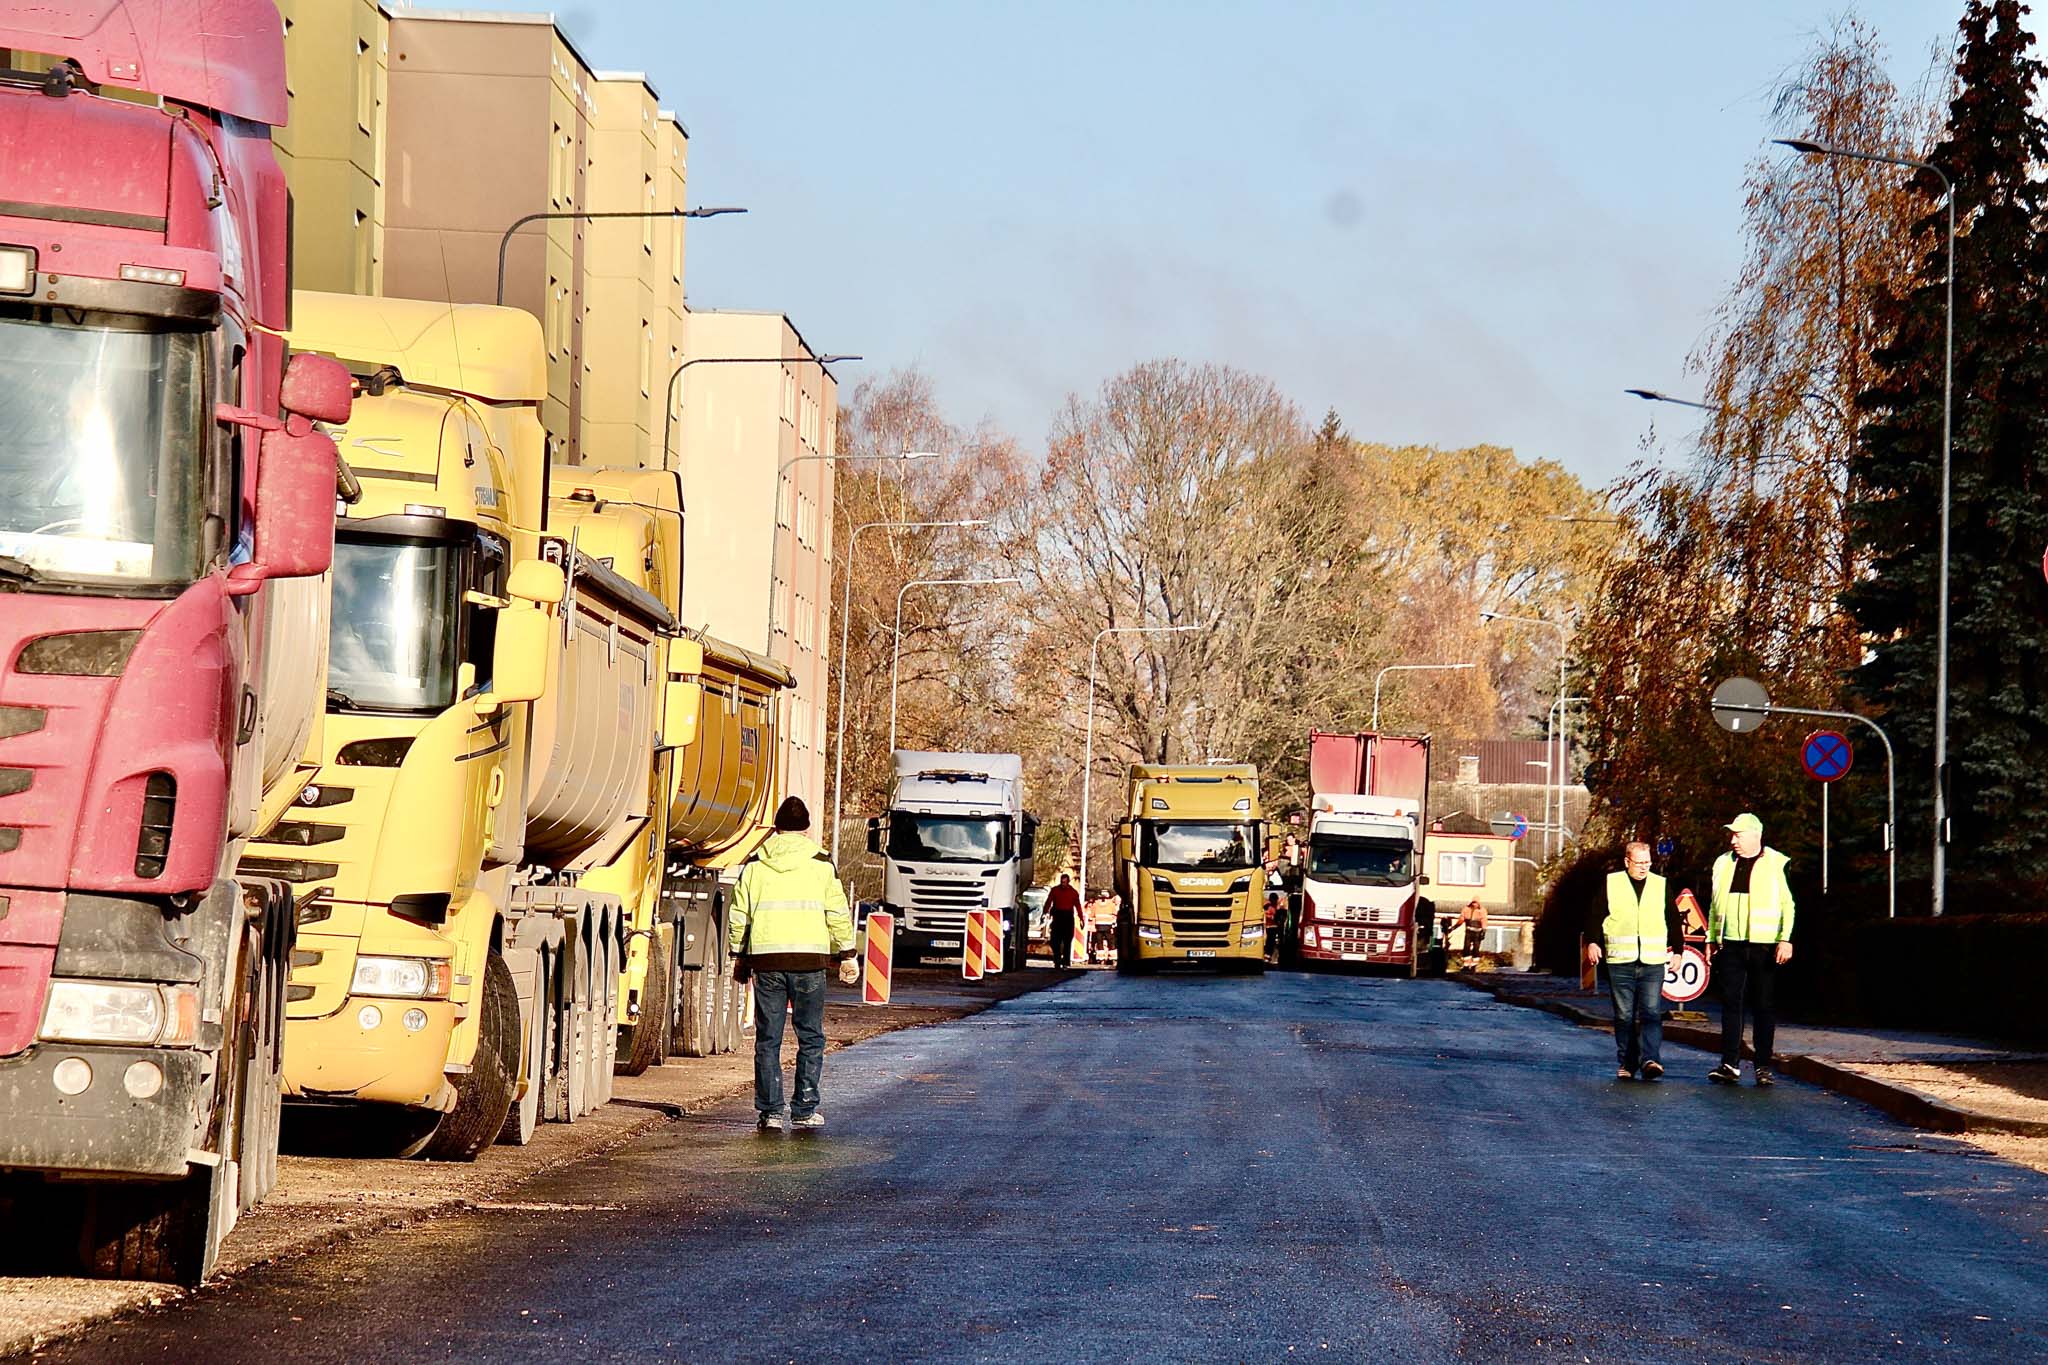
point(743, 424)
point(419, 136)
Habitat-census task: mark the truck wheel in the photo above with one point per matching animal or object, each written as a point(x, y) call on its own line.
point(732, 998)
point(483, 1098)
point(263, 1068)
point(523, 1117)
point(606, 1009)
point(556, 1097)
point(167, 1233)
point(700, 994)
point(646, 1043)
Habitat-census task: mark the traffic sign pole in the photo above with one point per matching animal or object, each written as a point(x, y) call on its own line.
point(1734, 715)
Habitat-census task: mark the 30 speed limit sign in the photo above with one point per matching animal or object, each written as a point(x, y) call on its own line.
point(1685, 976)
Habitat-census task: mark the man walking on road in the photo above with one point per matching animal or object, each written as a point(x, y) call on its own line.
point(1634, 927)
point(1750, 922)
point(1061, 906)
point(789, 920)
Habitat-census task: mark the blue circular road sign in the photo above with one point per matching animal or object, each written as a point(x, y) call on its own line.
point(1826, 755)
point(1665, 846)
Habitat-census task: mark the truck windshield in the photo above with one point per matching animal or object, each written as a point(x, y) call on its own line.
point(392, 645)
point(1189, 846)
point(103, 446)
point(948, 838)
point(1363, 862)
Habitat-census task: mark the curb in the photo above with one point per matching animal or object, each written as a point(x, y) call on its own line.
point(1909, 1106)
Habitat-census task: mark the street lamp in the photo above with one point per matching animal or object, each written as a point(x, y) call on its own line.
point(896, 658)
point(775, 526)
point(668, 414)
point(845, 610)
point(1088, 750)
point(1948, 372)
point(1563, 648)
point(1402, 668)
point(506, 240)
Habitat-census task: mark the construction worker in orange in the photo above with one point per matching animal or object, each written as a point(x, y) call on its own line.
point(1102, 929)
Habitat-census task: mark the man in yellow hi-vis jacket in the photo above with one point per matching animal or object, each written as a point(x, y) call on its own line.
point(1750, 922)
point(1635, 926)
point(789, 919)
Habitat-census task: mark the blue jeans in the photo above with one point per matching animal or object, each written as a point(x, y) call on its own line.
point(1638, 989)
point(803, 995)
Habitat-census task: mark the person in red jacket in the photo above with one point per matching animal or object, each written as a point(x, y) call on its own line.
point(1061, 906)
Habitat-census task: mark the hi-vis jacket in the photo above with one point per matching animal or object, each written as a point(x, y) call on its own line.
point(1636, 926)
point(789, 911)
point(1764, 914)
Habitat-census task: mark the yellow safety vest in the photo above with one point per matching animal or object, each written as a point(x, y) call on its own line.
point(1762, 916)
point(1634, 928)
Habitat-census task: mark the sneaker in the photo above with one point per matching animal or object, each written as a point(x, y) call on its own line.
point(1653, 1071)
point(1622, 1073)
point(1764, 1078)
point(1725, 1074)
point(772, 1123)
point(809, 1121)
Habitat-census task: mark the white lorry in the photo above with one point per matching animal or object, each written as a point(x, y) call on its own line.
point(955, 838)
point(1361, 881)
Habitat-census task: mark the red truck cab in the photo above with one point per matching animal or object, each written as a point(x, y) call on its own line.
point(166, 514)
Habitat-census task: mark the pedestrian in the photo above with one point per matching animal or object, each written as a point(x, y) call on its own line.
point(1749, 927)
point(1634, 926)
point(1102, 930)
point(1473, 918)
point(1061, 906)
point(788, 921)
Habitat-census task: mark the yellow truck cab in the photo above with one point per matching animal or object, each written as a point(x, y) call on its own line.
point(1189, 870)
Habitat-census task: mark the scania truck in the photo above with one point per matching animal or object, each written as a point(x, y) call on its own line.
point(1190, 876)
point(1361, 876)
point(166, 522)
point(956, 838)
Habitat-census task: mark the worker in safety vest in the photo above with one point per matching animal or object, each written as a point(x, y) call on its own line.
point(1634, 927)
point(1750, 921)
point(788, 922)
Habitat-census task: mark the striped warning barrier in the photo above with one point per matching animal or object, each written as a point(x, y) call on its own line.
point(971, 946)
point(1080, 952)
point(878, 958)
point(992, 941)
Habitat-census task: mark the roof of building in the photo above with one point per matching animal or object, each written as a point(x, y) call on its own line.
point(1502, 762)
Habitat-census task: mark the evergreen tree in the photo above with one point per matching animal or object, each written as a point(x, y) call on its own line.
point(1992, 149)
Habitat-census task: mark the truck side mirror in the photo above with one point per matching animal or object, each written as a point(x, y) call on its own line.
point(294, 511)
point(538, 582)
point(519, 657)
point(318, 388)
point(874, 834)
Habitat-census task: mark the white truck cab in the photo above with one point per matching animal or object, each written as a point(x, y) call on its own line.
point(1361, 879)
point(955, 838)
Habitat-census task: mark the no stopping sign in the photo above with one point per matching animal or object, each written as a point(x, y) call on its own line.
point(1685, 976)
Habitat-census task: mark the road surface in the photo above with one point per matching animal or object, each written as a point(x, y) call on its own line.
point(1203, 1168)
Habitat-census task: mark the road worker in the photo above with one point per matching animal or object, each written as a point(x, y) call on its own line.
point(1061, 906)
point(789, 920)
point(1749, 923)
point(1634, 926)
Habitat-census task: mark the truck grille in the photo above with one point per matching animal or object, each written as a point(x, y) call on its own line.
point(936, 893)
point(1360, 914)
point(1345, 938)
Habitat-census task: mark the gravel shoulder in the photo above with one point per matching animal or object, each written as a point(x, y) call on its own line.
point(321, 1201)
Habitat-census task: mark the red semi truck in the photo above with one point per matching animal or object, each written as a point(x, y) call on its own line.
point(166, 522)
point(1360, 874)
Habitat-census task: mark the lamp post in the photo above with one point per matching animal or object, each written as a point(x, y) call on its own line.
point(1088, 749)
point(1948, 374)
point(896, 658)
point(1403, 668)
point(845, 610)
point(668, 412)
point(505, 240)
point(1557, 774)
point(775, 527)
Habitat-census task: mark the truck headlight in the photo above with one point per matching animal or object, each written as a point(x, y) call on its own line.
point(415, 978)
point(1251, 931)
point(133, 1013)
point(1150, 931)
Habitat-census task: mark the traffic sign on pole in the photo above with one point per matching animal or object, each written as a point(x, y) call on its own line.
point(1685, 979)
point(1826, 755)
point(1666, 846)
point(1746, 693)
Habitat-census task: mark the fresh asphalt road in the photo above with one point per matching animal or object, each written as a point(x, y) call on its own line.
point(1203, 1168)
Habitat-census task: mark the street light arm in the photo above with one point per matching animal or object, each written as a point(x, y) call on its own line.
point(505, 240)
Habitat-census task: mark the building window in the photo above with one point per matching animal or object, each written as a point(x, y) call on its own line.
point(646, 359)
point(1463, 869)
point(806, 522)
point(647, 224)
point(555, 190)
point(366, 87)
point(782, 492)
point(789, 397)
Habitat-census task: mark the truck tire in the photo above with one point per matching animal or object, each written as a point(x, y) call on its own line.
point(731, 995)
point(557, 1101)
point(523, 1117)
point(605, 1005)
point(483, 1098)
point(263, 1068)
point(700, 996)
point(646, 1043)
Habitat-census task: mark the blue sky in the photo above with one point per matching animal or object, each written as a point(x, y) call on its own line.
point(1454, 222)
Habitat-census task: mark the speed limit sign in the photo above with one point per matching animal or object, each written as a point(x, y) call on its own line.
point(1685, 976)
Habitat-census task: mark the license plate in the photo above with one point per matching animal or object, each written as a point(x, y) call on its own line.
point(1201, 952)
point(945, 943)
point(1355, 957)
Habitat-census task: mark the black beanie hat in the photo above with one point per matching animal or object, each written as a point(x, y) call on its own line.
point(792, 816)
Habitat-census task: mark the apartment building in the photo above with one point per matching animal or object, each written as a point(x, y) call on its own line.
point(332, 145)
point(752, 435)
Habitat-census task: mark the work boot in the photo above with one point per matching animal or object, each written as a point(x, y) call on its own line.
point(1725, 1074)
point(1653, 1071)
point(771, 1123)
point(1622, 1073)
point(1764, 1078)
point(809, 1121)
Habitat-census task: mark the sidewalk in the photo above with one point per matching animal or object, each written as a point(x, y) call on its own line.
point(1939, 1082)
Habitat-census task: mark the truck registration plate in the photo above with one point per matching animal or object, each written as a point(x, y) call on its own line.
point(1201, 952)
point(945, 943)
point(1355, 957)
